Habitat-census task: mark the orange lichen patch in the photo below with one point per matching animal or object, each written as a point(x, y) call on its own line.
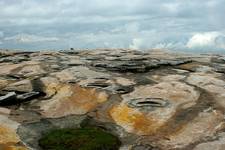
point(51, 86)
point(12, 147)
point(85, 98)
point(73, 100)
point(134, 121)
point(9, 139)
point(8, 135)
point(149, 120)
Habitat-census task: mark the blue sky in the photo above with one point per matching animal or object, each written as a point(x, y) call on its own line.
point(196, 25)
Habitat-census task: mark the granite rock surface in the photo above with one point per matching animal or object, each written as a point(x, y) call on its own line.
point(150, 100)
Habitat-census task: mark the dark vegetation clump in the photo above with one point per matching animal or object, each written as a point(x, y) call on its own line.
point(88, 138)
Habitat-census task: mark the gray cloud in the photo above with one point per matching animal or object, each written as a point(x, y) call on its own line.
point(26, 38)
point(173, 24)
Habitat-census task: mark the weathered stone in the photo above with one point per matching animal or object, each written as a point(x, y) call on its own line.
point(73, 61)
point(106, 84)
point(148, 102)
point(8, 137)
point(15, 59)
point(167, 78)
point(145, 122)
point(122, 89)
point(72, 100)
point(125, 66)
point(50, 86)
point(8, 68)
point(136, 63)
point(25, 116)
point(96, 83)
point(3, 83)
point(173, 62)
point(195, 67)
point(202, 126)
point(12, 98)
point(151, 100)
point(78, 73)
point(219, 68)
point(31, 70)
point(180, 71)
point(218, 59)
point(8, 98)
point(143, 147)
point(211, 83)
point(24, 69)
point(21, 86)
point(218, 144)
point(4, 111)
point(124, 81)
point(27, 96)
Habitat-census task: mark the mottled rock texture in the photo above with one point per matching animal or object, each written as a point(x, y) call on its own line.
point(150, 100)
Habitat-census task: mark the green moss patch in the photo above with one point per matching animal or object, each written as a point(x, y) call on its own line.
point(88, 138)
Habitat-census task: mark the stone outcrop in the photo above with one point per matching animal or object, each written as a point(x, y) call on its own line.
point(150, 100)
point(148, 108)
point(70, 100)
point(9, 140)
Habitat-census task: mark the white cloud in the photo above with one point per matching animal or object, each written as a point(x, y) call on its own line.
point(177, 46)
point(27, 38)
point(137, 43)
point(206, 40)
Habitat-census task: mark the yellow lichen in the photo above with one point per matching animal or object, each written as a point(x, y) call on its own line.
point(8, 135)
point(134, 121)
point(9, 139)
point(73, 100)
